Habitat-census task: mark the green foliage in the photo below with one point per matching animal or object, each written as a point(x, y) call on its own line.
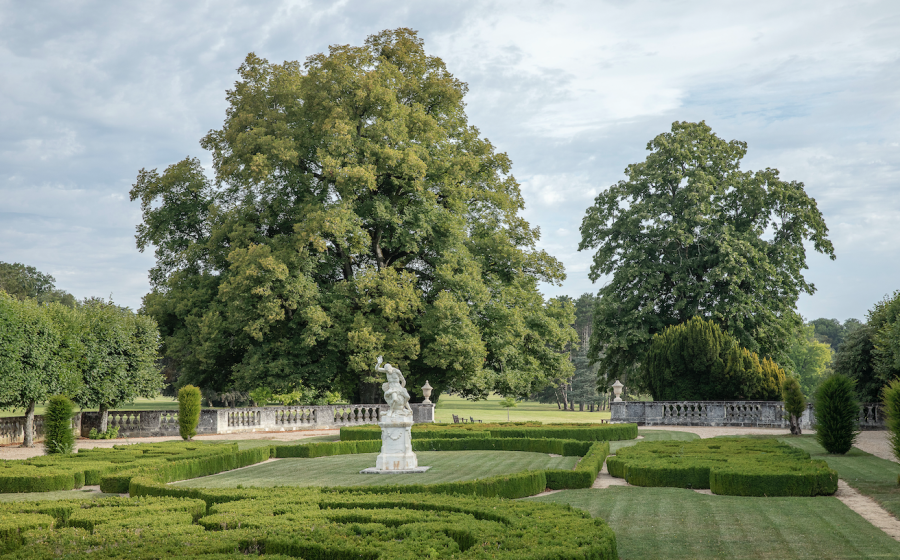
point(810, 358)
point(890, 399)
point(683, 236)
point(794, 403)
point(116, 354)
point(884, 319)
point(697, 361)
point(26, 282)
point(837, 413)
point(832, 332)
point(58, 435)
point(343, 225)
point(112, 432)
point(855, 360)
point(188, 411)
point(261, 396)
point(727, 466)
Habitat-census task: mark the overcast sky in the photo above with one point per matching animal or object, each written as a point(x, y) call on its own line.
point(91, 92)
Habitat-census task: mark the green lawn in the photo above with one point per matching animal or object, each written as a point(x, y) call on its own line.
point(490, 411)
point(343, 470)
point(870, 475)
point(652, 435)
point(674, 523)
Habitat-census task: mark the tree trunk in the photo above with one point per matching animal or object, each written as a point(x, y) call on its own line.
point(795, 426)
point(581, 407)
point(104, 418)
point(29, 426)
point(572, 406)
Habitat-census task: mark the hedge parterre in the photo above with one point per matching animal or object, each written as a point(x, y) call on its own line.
point(727, 466)
point(534, 430)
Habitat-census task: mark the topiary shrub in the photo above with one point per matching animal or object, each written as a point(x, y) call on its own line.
point(837, 413)
point(890, 398)
point(58, 436)
point(794, 403)
point(188, 411)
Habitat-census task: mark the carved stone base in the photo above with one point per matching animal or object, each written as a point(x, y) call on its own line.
point(373, 470)
point(396, 446)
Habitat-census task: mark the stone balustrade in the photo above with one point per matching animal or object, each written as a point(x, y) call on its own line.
point(147, 423)
point(757, 414)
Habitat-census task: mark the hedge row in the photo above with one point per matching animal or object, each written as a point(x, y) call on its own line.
point(727, 466)
point(302, 522)
point(566, 448)
point(91, 466)
point(581, 432)
point(325, 449)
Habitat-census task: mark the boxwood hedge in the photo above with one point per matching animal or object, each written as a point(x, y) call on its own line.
point(535, 430)
point(302, 522)
point(728, 466)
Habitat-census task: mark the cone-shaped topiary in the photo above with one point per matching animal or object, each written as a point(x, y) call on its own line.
point(188, 411)
point(794, 403)
point(837, 413)
point(58, 436)
point(890, 398)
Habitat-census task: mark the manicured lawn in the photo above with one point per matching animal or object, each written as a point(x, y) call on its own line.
point(673, 523)
point(490, 411)
point(343, 470)
point(252, 443)
point(652, 435)
point(870, 475)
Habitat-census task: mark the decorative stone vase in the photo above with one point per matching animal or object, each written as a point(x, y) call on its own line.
point(617, 390)
point(426, 392)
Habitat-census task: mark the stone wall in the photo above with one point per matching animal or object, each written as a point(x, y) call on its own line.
point(757, 414)
point(149, 423)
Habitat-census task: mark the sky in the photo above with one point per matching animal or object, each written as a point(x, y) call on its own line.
point(92, 92)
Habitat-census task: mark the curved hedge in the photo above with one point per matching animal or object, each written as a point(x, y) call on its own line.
point(735, 467)
point(303, 522)
point(580, 432)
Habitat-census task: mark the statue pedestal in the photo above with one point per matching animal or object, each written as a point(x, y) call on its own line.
point(396, 455)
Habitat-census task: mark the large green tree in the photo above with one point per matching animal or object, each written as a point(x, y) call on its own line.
point(810, 358)
point(117, 358)
point(688, 233)
point(354, 213)
point(31, 366)
point(870, 355)
point(22, 281)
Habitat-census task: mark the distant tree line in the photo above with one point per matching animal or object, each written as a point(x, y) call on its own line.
point(94, 352)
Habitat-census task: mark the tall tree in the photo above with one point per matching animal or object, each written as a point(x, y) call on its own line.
point(688, 233)
point(810, 358)
point(118, 357)
point(833, 332)
point(870, 355)
point(354, 212)
point(31, 369)
point(21, 281)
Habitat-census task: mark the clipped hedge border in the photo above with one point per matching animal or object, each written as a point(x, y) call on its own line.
point(307, 523)
point(580, 432)
point(727, 466)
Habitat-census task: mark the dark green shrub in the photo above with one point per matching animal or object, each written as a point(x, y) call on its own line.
point(188, 411)
point(890, 399)
point(696, 360)
point(837, 413)
point(727, 466)
point(794, 403)
point(58, 435)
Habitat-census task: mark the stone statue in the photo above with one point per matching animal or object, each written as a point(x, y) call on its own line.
point(395, 393)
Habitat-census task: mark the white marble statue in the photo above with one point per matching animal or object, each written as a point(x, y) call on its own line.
point(395, 393)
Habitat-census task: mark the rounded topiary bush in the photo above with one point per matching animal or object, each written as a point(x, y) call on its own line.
point(837, 413)
point(58, 435)
point(188, 411)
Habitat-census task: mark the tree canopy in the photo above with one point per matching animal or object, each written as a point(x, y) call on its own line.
point(354, 213)
point(870, 355)
point(810, 358)
point(22, 281)
point(688, 233)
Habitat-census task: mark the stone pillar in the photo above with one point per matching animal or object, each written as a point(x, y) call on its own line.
point(396, 446)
